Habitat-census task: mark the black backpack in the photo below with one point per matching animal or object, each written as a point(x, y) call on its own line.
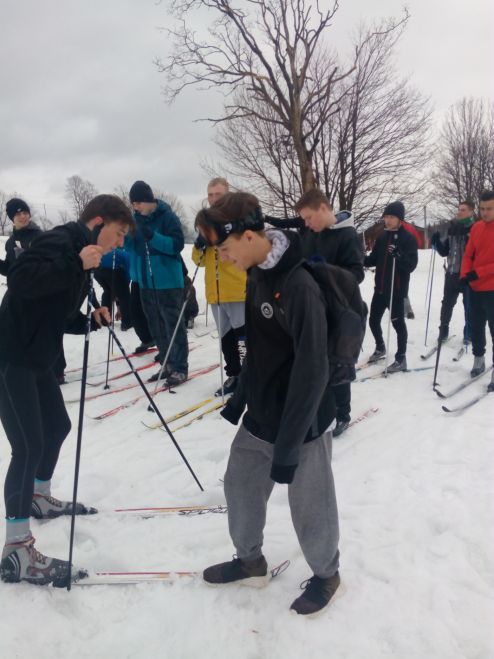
point(346, 315)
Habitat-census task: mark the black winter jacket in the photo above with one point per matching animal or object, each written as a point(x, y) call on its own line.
point(18, 241)
point(406, 261)
point(454, 246)
point(46, 288)
point(284, 382)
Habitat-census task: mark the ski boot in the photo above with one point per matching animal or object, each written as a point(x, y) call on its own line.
point(379, 353)
point(398, 365)
point(478, 366)
point(47, 507)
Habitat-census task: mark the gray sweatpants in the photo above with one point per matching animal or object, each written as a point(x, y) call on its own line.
point(311, 497)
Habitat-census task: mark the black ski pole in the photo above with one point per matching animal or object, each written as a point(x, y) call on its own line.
point(112, 293)
point(438, 354)
point(151, 401)
point(430, 297)
point(222, 380)
point(85, 358)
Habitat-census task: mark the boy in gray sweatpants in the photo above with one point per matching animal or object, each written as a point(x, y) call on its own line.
point(285, 433)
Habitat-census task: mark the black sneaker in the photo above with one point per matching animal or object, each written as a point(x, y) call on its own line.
point(341, 426)
point(175, 378)
point(316, 596)
point(22, 562)
point(47, 507)
point(143, 347)
point(229, 386)
point(165, 373)
point(379, 353)
point(398, 365)
point(478, 366)
point(251, 573)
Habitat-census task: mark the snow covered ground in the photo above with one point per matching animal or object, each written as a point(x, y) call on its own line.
point(416, 508)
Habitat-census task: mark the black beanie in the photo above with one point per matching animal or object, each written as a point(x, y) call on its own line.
point(396, 208)
point(15, 206)
point(141, 191)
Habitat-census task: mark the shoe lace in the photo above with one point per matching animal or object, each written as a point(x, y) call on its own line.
point(36, 556)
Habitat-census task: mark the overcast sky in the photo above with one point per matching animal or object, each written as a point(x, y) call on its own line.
point(79, 93)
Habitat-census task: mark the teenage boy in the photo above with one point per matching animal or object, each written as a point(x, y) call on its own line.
point(477, 270)
point(25, 231)
point(332, 238)
point(225, 292)
point(46, 287)
point(395, 251)
point(284, 436)
point(453, 248)
point(155, 260)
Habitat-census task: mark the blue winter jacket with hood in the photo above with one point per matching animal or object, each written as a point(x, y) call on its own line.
point(164, 249)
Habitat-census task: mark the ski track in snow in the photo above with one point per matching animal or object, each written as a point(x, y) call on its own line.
point(414, 491)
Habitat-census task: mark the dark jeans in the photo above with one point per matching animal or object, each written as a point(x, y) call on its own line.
point(379, 305)
point(162, 308)
point(115, 281)
point(230, 349)
point(139, 320)
point(481, 311)
point(343, 396)
point(453, 288)
point(36, 423)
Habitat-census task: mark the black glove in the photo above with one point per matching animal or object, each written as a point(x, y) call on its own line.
point(146, 232)
point(231, 414)
point(200, 243)
point(282, 473)
point(470, 276)
point(394, 251)
point(435, 239)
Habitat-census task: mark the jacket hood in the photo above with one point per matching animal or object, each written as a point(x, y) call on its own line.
point(343, 219)
point(291, 253)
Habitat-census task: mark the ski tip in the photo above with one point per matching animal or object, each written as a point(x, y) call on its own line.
point(446, 409)
point(436, 391)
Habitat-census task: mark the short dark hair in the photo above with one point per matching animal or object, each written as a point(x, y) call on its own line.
point(231, 206)
point(313, 199)
point(487, 195)
point(110, 207)
point(467, 202)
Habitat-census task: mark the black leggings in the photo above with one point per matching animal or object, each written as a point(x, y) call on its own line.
point(379, 305)
point(36, 423)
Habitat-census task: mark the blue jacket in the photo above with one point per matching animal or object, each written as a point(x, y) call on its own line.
point(164, 247)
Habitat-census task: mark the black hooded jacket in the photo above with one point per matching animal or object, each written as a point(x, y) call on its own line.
point(285, 381)
point(46, 288)
point(406, 261)
point(18, 241)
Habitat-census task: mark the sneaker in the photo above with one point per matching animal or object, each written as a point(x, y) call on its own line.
point(22, 562)
point(478, 366)
point(229, 386)
point(341, 426)
point(316, 596)
point(47, 507)
point(379, 353)
point(143, 347)
point(175, 378)
point(251, 573)
point(490, 386)
point(398, 365)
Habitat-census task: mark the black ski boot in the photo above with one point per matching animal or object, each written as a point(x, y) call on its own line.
point(398, 365)
point(379, 353)
point(143, 347)
point(490, 386)
point(478, 366)
point(341, 426)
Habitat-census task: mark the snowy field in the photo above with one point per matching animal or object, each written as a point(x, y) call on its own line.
point(415, 494)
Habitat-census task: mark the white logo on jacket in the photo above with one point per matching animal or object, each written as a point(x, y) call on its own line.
point(266, 310)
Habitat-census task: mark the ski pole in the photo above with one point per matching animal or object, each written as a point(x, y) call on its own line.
point(219, 324)
point(177, 325)
point(90, 297)
point(430, 298)
point(151, 401)
point(428, 278)
point(390, 313)
point(112, 292)
point(438, 354)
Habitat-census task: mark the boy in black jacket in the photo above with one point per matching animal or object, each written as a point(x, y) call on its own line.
point(46, 286)
point(284, 436)
point(395, 246)
point(25, 231)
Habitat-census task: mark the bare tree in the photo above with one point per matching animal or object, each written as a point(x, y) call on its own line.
point(263, 48)
point(79, 192)
point(4, 220)
point(465, 164)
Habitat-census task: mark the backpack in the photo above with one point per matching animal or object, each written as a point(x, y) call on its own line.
point(346, 315)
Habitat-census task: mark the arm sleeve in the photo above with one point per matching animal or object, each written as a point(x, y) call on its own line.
point(351, 257)
point(468, 256)
point(171, 242)
point(50, 266)
point(442, 248)
point(371, 259)
point(285, 223)
point(196, 257)
point(305, 314)
point(409, 257)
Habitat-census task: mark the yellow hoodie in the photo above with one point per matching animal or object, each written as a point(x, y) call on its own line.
point(232, 282)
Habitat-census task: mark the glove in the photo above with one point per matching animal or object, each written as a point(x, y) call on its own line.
point(282, 473)
point(435, 239)
point(394, 251)
point(146, 232)
point(231, 414)
point(470, 276)
point(200, 243)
